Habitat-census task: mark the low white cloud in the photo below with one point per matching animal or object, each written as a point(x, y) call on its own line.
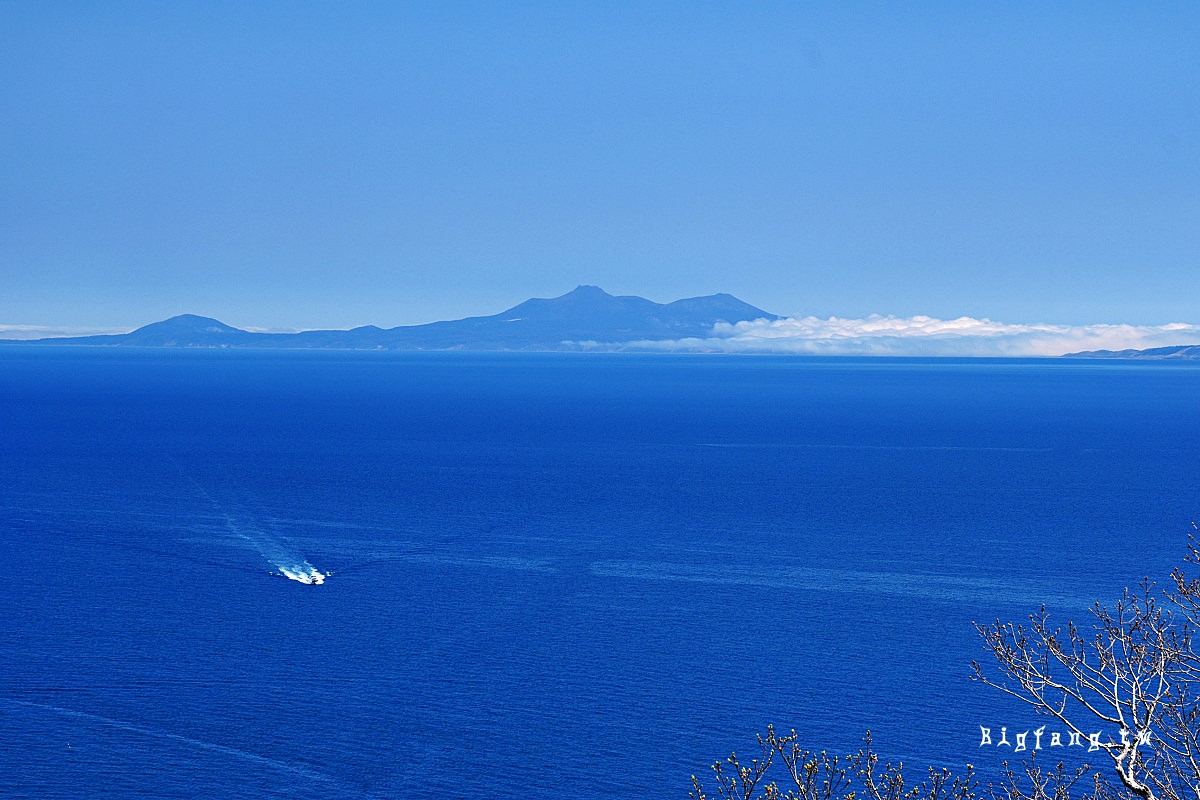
point(25, 332)
point(926, 336)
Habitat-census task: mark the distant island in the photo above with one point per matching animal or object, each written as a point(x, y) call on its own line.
point(1186, 351)
point(585, 318)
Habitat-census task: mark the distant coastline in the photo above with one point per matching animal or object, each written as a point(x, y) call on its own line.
point(588, 319)
point(1186, 352)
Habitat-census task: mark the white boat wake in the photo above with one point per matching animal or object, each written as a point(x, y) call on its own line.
point(285, 561)
point(305, 573)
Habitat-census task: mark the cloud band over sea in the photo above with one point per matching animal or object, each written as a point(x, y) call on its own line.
point(920, 336)
point(20, 332)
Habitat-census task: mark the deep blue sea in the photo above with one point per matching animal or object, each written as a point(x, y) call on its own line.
point(549, 576)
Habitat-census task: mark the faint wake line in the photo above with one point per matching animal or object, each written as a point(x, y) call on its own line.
point(216, 748)
point(931, 586)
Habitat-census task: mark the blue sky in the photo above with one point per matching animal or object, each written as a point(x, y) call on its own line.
point(298, 165)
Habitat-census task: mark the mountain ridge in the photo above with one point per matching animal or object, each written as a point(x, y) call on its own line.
point(587, 317)
point(1182, 352)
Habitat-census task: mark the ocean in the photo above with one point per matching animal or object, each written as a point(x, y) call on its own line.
point(545, 575)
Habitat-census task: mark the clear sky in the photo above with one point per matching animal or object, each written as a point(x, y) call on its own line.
point(296, 165)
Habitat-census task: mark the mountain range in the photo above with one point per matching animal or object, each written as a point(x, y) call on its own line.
point(585, 318)
point(1186, 351)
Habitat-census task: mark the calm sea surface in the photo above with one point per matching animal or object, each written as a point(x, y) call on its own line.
point(550, 576)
